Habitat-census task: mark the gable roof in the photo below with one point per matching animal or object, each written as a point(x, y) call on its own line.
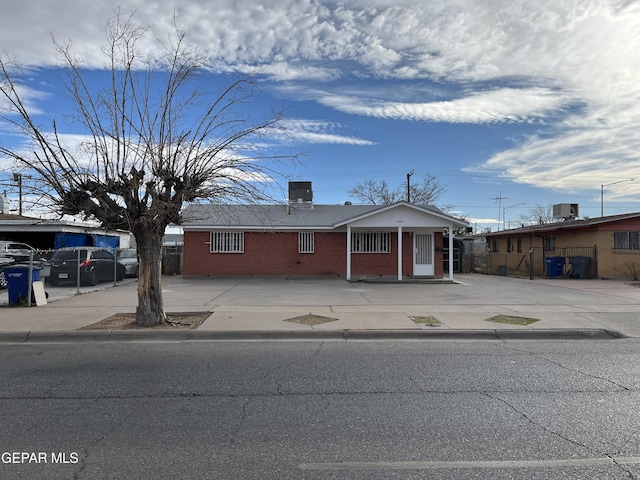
point(569, 224)
point(285, 217)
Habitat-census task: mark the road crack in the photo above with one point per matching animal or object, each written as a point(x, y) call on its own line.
point(558, 434)
point(568, 369)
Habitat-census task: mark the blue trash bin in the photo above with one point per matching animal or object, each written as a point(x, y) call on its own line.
point(17, 282)
point(555, 266)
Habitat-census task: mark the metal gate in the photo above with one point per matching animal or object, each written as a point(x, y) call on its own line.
point(570, 258)
point(457, 260)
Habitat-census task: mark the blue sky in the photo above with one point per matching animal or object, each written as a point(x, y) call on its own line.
point(534, 102)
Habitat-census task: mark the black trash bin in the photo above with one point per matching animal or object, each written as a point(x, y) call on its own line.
point(579, 266)
point(555, 265)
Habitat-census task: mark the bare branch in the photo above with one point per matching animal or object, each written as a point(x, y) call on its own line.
point(154, 139)
point(379, 193)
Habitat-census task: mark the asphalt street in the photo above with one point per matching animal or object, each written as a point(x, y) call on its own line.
point(321, 410)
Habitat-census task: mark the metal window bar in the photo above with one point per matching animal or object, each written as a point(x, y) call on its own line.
point(370, 242)
point(626, 240)
point(306, 242)
point(227, 242)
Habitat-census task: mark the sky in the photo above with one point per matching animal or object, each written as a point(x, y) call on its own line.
point(511, 104)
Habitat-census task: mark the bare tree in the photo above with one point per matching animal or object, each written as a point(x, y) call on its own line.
point(538, 215)
point(155, 139)
point(379, 193)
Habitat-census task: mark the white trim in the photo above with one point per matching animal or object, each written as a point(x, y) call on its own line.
point(399, 253)
point(438, 215)
point(451, 252)
point(348, 252)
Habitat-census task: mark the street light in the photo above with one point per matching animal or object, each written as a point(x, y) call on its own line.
point(504, 213)
point(603, 186)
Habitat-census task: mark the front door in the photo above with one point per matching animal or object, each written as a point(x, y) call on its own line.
point(423, 254)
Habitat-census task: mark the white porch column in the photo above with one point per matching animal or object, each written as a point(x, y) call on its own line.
point(348, 253)
point(399, 253)
point(450, 252)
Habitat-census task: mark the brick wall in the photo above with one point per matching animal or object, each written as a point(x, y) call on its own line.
point(611, 263)
point(266, 254)
point(616, 263)
point(277, 254)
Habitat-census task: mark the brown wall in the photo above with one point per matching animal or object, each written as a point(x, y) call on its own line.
point(610, 263)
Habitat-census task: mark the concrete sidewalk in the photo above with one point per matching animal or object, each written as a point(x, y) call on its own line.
point(260, 307)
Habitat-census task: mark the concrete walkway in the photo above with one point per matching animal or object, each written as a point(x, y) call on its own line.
point(260, 307)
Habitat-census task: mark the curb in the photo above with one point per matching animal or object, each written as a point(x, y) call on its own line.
point(184, 335)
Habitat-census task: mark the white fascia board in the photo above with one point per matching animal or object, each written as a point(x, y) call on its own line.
point(441, 216)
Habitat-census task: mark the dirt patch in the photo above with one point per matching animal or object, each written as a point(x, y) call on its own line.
point(512, 320)
point(127, 321)
point(311, 320)
point(426, 320)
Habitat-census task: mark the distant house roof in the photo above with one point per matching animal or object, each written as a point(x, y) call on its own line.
point(10, 223)
point(8, 217)
point(568, 224)
point(285, 217)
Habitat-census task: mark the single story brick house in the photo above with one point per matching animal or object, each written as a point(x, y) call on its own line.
point(401, 240)
point(602, 247)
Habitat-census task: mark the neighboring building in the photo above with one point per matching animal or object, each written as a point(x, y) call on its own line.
point(603, 247)
point(52, 234)
point(300, 239)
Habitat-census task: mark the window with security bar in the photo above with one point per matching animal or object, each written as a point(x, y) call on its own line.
point(626, 240)
point(370, 242)
point(305, 242)
point(227, 242)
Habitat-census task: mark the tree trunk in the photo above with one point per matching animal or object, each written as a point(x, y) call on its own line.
point(150, 309)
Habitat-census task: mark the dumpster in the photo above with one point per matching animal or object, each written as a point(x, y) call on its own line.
point(554, 266)
point(17, 277)
point(579, 266)
point(502, 270)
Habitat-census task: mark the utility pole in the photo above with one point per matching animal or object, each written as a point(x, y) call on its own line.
point(409, 186)
point(499, 198)
point(17, 177)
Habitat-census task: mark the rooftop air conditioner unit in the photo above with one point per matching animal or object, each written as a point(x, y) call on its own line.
point(566, 211)
point(300, 192)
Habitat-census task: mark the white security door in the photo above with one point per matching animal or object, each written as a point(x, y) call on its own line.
point(423, 254)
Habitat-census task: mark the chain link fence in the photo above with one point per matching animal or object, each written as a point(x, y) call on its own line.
point(24, 282)
point(22, 278)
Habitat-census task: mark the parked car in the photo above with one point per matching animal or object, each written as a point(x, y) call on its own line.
point(129, 258)
point(96, 265)
point(20, 252)
point(4, 262)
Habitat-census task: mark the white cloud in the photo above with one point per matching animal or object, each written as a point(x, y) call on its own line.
point(563, 53)
point(314, 131)
point(597, 148)
point(502, 105)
